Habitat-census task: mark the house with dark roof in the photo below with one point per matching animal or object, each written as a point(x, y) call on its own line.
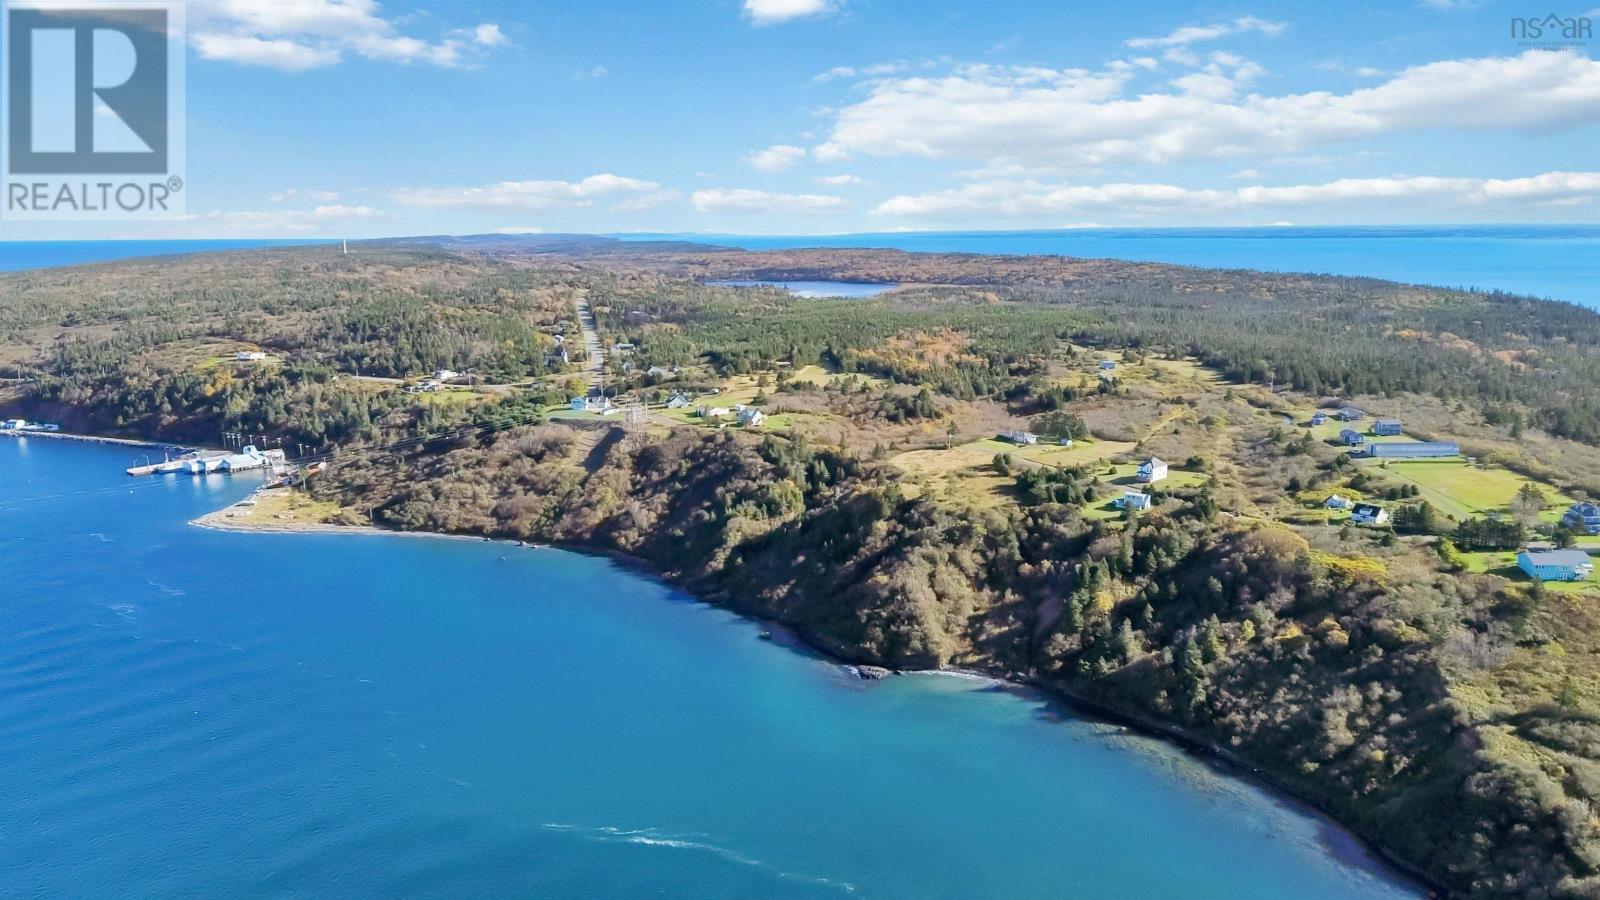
point(1387, 427)
point(1352, 437)
point(1349, 414)
point(1369, 514)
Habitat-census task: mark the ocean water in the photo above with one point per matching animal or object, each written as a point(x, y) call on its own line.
point(188, 712)
point(1560, 262)
point(40, 254)
point(816, 289)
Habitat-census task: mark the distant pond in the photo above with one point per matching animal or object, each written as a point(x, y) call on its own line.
point(816, 288)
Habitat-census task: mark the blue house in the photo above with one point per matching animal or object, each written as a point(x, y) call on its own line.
point(1320, 418)
point(1349, 414)
point(1583, 518)
point(1387, 427)
point(1556, 565)
point(1352, 437)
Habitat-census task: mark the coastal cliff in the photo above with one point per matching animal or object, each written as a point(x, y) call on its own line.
point(1232, 634)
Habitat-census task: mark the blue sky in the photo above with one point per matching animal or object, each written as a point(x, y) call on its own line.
point(359, 118)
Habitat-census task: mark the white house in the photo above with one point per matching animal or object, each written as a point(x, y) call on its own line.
point(678, 401)
point(14, 424)
point(1338, 502)
point(1022, 438)
point(1369, 514)
point(444, 375)
point(713, 412)
point(750, 417)
point(1152, 470)
point(249, 356)
point(1556, 565)
point(591, 404)
point(1136, 500)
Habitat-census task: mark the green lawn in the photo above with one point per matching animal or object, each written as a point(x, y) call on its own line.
point(1462, 490)
point(1127, 476)
point(1504, 563)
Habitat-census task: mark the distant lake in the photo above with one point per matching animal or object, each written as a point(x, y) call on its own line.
point(1559, 262)
point(192, 713)
point(817, 289)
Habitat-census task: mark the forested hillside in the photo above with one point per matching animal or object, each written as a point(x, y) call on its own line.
point(1401, 673)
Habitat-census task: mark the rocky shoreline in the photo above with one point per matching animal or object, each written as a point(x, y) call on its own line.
point(1378, 857)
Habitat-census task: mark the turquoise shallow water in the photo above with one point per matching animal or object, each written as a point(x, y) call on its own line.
point(187, 712)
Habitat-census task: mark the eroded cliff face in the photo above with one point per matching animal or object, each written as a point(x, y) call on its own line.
point(1324, 672)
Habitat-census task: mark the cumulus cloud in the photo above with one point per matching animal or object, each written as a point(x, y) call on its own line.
point(1043, 201)
point(323, 219)
point(740, 200)
point(535, 195)
point(278, 53)
point(773, 12)
point(1195, 34)
point(1039, 117)
point(294, 35)
point(840, 180)
point(776, 158)
point(314, 196)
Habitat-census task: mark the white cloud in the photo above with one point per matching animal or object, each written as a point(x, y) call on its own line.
point(776, 158)
point(840, 180)
point(741, 200)
point(773, 12)
point(1038, 117)
point(1373, 196)
point(489, 35)
point(589, 73)
point(277, 53)
point(1194, 34)
point(875, 70)
point(314, 196)
point(294, 35)
point(319, 220)
point(534, 195)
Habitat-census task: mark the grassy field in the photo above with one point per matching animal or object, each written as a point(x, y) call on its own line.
point(962, 475)
point(1504, 564)
point(447, 398)
point(1461, 490)
point(285, 508)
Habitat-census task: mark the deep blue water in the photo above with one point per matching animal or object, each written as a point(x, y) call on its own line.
point(813, 289)
point(39, 254)
point(1559, 262)
point(188, 712)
